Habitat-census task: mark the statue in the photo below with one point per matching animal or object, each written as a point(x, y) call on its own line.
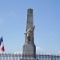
point(29, 33)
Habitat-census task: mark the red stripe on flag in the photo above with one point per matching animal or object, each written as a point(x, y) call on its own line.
point(2, 48)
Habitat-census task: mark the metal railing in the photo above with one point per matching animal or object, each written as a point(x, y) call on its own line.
point(19, 57)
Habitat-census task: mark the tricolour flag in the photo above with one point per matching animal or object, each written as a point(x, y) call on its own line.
point(1, 44)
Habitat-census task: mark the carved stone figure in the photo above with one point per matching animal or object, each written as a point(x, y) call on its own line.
point(29, 32)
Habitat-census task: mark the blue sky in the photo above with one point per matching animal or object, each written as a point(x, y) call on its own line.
point(13, 16)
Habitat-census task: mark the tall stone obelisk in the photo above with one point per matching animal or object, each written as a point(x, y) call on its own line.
point(29, 48)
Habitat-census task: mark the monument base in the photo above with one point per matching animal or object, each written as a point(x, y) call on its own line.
point(28, 58)
point(29, 52)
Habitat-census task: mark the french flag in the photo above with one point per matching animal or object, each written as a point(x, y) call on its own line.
point(1, 44)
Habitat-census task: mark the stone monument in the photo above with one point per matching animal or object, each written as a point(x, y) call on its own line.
point(29, 48)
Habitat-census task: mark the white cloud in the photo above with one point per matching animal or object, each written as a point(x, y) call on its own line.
point(58, 53)
point(18, 52)
point(39, 50)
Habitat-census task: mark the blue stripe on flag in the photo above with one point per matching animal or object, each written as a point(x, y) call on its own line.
point(1, 40)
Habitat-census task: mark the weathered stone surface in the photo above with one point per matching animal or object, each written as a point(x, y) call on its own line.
point(29, 48)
